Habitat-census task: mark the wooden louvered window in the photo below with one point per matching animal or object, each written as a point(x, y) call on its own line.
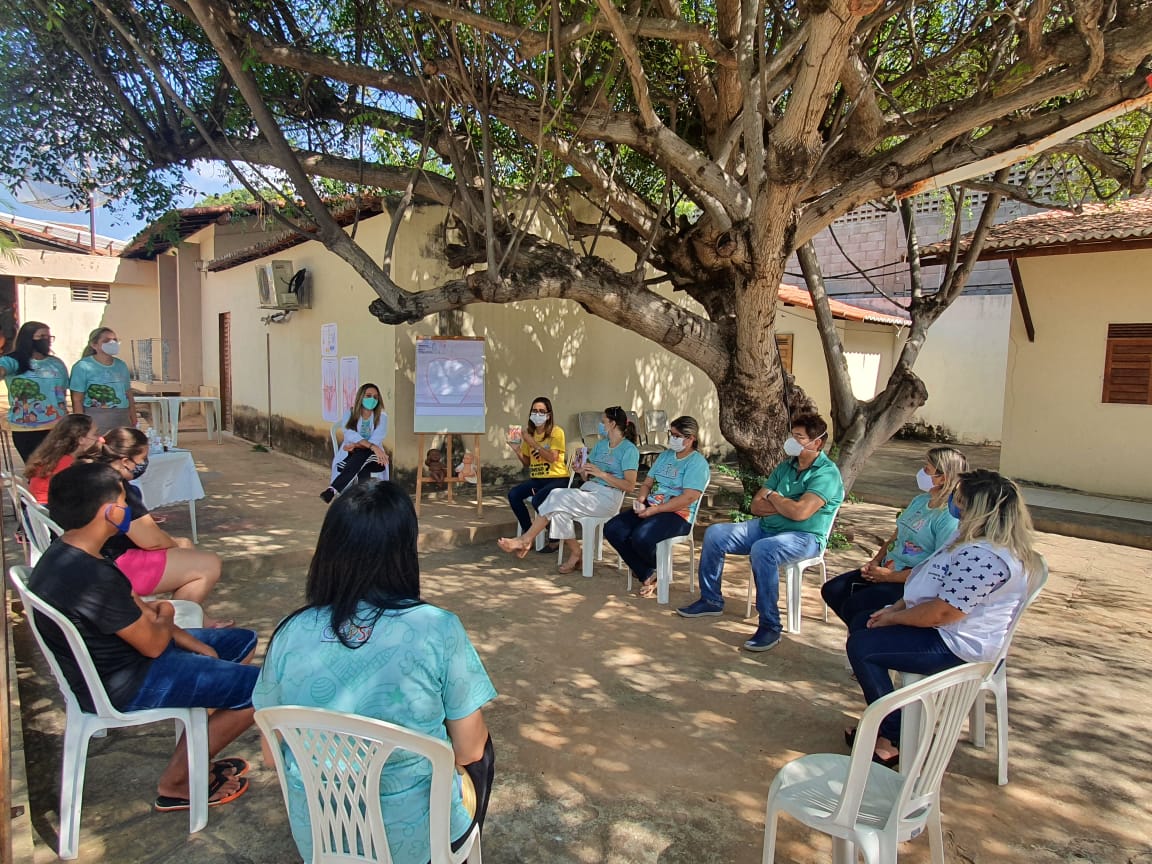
point(1128, 364)
point(784, 346)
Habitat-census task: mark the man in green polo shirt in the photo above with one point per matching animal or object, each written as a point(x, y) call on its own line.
point(796, 508)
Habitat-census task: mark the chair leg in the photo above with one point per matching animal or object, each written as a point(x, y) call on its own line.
point(976, 722)
point(663, 571)
point(691, 559)
point(590, 549)
point(751, 595)
point(936, 834)
point(1001, 693)
point(196, 743)
point(770, 821)
point(75, 756)
point(793, 576)
point(843, 851)
point(823, 581)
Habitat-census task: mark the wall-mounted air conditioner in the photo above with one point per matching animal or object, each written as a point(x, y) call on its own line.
point(281, 287)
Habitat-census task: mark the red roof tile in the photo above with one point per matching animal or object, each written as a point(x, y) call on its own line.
point(790, 295)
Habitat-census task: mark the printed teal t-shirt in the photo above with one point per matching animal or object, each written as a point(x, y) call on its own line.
point(822, 478)
point(102, 386)
point(614, 460)
point(415, 668)
point(38, 397)
point(920, 531)
point(671, 476)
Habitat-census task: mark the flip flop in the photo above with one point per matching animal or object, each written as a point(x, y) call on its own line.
point(233, 766)
point(169, 804)
point(223, 624)
point(647, 590)
point(571, 568)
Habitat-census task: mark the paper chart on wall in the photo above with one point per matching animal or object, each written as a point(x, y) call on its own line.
point(330, 388)
point(328, 340)
point(449, 385)
point(349, 381)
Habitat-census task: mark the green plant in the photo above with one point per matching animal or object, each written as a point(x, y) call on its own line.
point(259, 448)
point(837, 540)
point(750, 481)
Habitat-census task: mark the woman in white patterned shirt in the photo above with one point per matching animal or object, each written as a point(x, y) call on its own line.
point(958, 605)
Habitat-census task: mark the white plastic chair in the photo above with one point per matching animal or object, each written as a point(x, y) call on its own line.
point(81, 726)
point(664, 560)
point(655, 428)
point(341, 759)
point(588, 423)
point(335, 433)
point(541, 538)
point(794, 583)
point(14, 484)
point(864, 806)
point(592, 539)
point(995, 683)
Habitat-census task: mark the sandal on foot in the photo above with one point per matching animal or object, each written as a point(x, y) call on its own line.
point(890, 762)
point(647, 590)
point(510, 545)
point(169, 804)
point(571, 568)
point(232, 766)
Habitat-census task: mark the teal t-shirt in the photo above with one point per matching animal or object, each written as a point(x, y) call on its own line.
point(38, 397)
point(920, 531)
point(821, 478)
point(102, 386)
point(415, 668)
point(671, 476)
point(614, 460)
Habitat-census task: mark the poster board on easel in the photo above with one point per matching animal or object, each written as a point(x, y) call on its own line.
point(449, 400)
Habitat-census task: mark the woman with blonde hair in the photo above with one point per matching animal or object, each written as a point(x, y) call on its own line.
point(921, 528)
point(70, 439)
point(958, 606)
point(362, 452)
point(101, 384)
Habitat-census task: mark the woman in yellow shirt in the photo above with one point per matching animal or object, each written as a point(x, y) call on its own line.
point(541, 450)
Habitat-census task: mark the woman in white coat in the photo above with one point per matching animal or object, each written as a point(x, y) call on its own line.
point(362, 452)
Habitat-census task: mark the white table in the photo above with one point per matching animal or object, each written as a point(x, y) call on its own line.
point(171, 478)
point(158, 406)
point(211, 407)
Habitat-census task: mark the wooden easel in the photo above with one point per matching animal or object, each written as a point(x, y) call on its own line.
point(451, 479)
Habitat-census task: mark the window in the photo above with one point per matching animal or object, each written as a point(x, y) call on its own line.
point(784, 346)
point(1128, 364)
point(82, 293)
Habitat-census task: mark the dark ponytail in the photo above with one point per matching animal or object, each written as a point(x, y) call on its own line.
point(620, 417)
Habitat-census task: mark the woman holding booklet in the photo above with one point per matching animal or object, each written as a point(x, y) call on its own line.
point(610, 473)
point(540, 449)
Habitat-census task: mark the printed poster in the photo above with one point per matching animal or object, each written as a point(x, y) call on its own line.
point(349, 381)
point(328, 340)
point(330, 389)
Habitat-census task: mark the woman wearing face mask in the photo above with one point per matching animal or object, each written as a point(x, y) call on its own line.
point(37, 387)
point(362, 453)
point(957, 606)
point(921, 528)
point(610, 473)
point(541, 450)
point(665, 504)
point(101, 383)
point(70, 439)
point(153, 560)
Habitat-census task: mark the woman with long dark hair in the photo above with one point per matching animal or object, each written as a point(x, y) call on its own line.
point(70, 439)
point(366, 643)
point(609, 474)
point(101, 382)
point(37, 387)
point(540, 450)
point(362, 452)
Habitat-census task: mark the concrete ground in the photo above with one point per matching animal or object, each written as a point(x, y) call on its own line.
point(626, 734)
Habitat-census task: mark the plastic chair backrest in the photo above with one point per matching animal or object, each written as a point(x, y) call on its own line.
point(656, 423)
point(42, 611)
point(38, 525)
point(945, 699)
point(641, 438)
point(334, 434)
point(13, 483)
point(341, 758)
point(589, 423)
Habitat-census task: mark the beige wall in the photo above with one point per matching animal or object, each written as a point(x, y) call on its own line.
point(550, 348)
point(1056, 429)
point(43, 293)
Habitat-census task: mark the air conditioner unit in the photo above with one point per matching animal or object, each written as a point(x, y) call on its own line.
point(274, 280)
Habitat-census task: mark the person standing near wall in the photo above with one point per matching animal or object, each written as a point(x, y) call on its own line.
point(37, 387)
point(101, 383)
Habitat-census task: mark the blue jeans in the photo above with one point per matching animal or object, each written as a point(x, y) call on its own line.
point(768, 552)
point(636, 539)
point(536, 489)
point(181, 679)
point(849, 594)
point(873, 652)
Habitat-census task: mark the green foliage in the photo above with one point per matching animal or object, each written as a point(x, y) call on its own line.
point(750, 482)
point(837, 540)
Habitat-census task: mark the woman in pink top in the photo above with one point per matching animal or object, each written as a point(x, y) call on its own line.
point(71, 437)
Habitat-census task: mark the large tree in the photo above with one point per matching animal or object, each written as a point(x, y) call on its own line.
point(712, 137)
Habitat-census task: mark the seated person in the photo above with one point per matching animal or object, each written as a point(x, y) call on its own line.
point(540, 449)
point(69, 439)
point(143, 659)
point(153, 560)
point(796, 507)
point(366, 643)
point(362, 452)
point(921, 528)
point(665, 505)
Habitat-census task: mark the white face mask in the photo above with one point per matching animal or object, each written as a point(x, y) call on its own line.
point(538, 419)
point(792, 447)
point(924, 481)
point(676, 444)
point(111, 348)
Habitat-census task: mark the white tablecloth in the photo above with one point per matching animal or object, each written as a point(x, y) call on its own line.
point(171, 478)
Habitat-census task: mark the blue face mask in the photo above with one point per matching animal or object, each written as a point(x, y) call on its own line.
point(370, 402)
point(953, 509)
point(138, 470)
point(124, 524)
point(600, 430)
